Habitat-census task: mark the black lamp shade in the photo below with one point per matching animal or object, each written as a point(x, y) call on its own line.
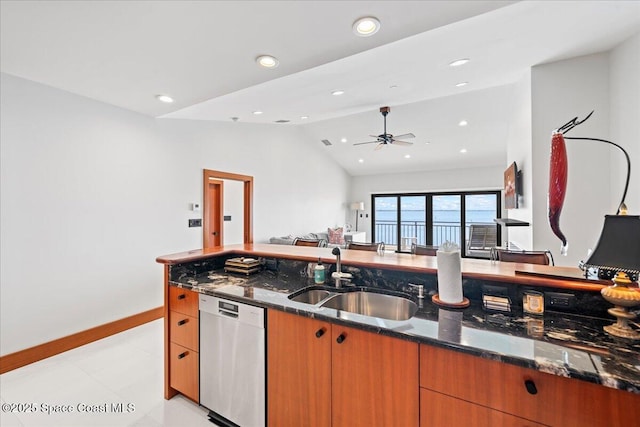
point(619, 245)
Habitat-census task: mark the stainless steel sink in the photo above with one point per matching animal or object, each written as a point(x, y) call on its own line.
point(313, 296)
point(374, 304)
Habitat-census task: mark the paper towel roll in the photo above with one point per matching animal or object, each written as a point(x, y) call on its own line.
point(449, 276)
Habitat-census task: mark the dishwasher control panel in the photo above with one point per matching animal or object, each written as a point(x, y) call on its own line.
point(243, 313)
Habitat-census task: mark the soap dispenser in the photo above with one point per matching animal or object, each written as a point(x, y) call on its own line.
point(318, 273)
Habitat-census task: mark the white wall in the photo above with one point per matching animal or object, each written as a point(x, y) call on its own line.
point(625, 121)
point(91, 194)
point(561, 91)
point(519, 151)
point(362, 187)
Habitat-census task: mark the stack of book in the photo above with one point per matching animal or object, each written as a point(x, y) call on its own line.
point(242, 265)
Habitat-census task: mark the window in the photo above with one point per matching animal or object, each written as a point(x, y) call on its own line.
point(434, 218)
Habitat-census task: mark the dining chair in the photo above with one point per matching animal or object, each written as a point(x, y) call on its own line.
point(373, 247)
point(527, 257)
point(423, 249)
point(318, 243)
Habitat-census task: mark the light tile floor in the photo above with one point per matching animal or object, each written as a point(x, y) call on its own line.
point(126, 368)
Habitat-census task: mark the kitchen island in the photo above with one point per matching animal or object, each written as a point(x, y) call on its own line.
point(557, 351)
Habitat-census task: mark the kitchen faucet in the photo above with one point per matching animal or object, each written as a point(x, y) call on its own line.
point(338, 275)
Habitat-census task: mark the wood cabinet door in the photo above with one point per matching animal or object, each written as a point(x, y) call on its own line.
point(183, 301)
point(184, 330)
point(375, 379)
point(184, 371)
point(298, 370)
point(528, 393)
point(438, 410)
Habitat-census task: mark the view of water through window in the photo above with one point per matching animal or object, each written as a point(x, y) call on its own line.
point(401, 220)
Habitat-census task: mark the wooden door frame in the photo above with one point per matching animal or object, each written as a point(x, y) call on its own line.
point(247, 199)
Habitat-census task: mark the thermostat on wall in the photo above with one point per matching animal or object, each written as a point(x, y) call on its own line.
point(195, 206)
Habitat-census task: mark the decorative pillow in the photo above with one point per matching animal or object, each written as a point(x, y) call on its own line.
point(336, 236)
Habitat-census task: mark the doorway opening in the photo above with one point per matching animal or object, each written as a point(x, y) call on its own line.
point(213, 209)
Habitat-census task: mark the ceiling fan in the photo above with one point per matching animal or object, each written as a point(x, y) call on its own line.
point(386, 138)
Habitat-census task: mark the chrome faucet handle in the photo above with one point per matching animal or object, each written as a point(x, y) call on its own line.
point(420, 290)
point(340, 277)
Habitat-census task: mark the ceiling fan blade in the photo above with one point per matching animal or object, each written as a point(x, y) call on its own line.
point(396, 142)
point(404, 136)
point(379, 146)
point(362, 143)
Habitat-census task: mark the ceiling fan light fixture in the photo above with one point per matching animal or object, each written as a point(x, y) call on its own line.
point(459, 62)
point(267, 61)
point(366, 26)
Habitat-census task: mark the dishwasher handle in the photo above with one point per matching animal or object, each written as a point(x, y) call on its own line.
point(231, 314)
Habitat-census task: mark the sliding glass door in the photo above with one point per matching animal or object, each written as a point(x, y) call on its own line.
point(413, 221)
point(446, 219)
point(385, 220)
point(399, 220)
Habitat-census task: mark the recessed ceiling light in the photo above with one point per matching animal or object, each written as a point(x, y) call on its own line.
point(462, 84)
point(464, 150)
point(360, 160)
point(407, 156)
point(428, 142)
point(343, 140)
point(337, 92)
point(367, 26)
point(267, 61)
point(458, 62)
point(164, 98)
point(463, 123)
point(257, 113)
point(393, 87)
point(304, 117)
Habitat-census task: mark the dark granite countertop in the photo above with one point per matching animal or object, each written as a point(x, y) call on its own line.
point(563, 344)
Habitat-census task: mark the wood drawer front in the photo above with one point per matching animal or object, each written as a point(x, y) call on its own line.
point(183, 301)
point(184, 330)
point(438, 409)
point(184, 371)
point(559, 401)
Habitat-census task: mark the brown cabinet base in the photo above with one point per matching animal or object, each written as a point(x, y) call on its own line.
point(184, 371)
point(438, 410)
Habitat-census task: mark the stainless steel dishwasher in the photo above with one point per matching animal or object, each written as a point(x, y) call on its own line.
point(232, 362)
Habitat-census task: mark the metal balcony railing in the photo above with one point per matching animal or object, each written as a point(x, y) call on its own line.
point(386, 231)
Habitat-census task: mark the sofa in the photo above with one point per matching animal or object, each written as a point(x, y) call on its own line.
point(321, 235)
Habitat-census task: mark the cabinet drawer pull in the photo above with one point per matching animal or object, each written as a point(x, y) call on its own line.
point(183, 355)
point(320, 332)
point(340, 338)
point(182, 322)
point(182, 296)
point(531, 387)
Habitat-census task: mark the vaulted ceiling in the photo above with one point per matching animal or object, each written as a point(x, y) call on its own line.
point(203, 55)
